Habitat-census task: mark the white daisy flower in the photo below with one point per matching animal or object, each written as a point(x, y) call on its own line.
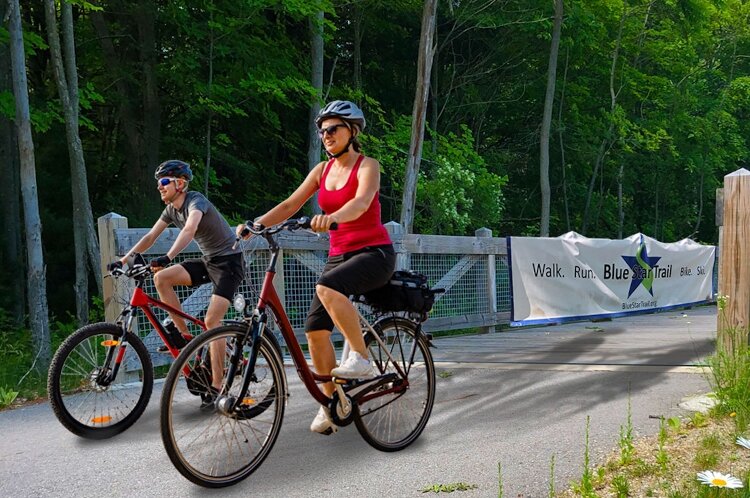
point(719, 480)
point(745, 443)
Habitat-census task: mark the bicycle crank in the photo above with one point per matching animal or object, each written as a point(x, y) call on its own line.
point(341, 406)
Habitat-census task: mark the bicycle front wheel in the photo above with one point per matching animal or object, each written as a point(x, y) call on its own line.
point(84, 396)
point(209, 447)
point(398, 411)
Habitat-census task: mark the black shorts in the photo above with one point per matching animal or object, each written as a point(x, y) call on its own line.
point(225, 272)
point(351, 273)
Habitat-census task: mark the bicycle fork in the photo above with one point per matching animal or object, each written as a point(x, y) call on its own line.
point(108, 373)
point(255, 329)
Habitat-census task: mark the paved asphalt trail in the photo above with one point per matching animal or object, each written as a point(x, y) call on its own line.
point(517, 398)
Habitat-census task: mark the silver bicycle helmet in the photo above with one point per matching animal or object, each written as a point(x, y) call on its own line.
point(343, 109)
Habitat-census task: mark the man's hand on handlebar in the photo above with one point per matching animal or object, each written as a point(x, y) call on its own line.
point(114, 265)
point(160, 263)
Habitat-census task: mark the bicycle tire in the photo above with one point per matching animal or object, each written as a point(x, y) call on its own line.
point(393, 421)
point(83, 405)
point(188, 434)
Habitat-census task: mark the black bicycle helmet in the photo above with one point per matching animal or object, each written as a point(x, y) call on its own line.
point(348, 111)
point(174, 168)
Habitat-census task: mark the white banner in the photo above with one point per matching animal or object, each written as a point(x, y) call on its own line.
point(572, 277)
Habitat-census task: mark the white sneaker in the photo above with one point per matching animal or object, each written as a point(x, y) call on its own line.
point(322, 422)
point(354, 367)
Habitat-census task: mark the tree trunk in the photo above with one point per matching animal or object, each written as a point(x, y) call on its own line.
point(10, 188)
point(421, 94)
point(316, 79)
point(357, 53)
point(210, 116)
point(434, 97)
point(141, 123)
point(547, 120)
point(36, 279)
point(66, 77)
point(146, 19)
point(71, 71)
point(620, 207)
point(560, 129)
point(130, 126)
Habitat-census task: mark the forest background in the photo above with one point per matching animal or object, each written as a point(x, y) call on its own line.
point(607, 117)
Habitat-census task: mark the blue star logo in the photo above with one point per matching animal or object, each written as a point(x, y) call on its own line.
point(641, 265)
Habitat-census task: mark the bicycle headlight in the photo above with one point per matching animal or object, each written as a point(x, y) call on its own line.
point(239, 303)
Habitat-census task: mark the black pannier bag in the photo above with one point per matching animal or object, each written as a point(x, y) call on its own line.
point(406, 291)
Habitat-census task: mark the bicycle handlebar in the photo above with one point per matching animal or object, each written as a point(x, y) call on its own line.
point(138, 267)
point(291, 225)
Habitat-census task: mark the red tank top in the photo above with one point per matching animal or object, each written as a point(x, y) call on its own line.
point(367, 230)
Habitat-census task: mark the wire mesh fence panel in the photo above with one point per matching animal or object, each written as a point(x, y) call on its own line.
point(457, 267)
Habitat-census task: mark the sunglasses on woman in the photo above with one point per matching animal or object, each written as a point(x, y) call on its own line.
point(331, 130)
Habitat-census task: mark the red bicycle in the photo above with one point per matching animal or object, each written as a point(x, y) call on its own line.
point(225, 446)
point(101, 377)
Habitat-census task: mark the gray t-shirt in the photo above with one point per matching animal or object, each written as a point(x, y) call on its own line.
point(213, 236)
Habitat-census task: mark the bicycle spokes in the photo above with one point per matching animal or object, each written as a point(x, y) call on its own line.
point(225, 441)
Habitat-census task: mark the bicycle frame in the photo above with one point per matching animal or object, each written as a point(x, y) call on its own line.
point(269, 298)
point(143, 302)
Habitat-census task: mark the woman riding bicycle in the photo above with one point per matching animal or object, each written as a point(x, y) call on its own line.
point(361, 256)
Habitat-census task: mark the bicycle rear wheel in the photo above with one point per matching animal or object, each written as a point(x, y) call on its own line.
point(84, 400)
point(391, 421)
point(211, 448)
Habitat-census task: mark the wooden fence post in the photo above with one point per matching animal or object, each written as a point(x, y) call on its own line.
point(490, 287)
point(734, 270)
point(106, 226)
point(396, 231)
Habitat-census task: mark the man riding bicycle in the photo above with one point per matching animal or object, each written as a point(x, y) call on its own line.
point(221, 264)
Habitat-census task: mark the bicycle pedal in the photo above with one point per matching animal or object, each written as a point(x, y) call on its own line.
point(329, 431)
point(338, 380)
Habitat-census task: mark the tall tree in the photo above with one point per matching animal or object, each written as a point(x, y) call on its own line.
point(10, 188)
point(421, 94)
point(132, 64)
point(316, 80)
point(549, 99)
point(66, 77)
point(36, 278)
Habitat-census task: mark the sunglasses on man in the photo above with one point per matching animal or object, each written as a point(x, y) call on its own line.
point(330, 130)
point(166, 181)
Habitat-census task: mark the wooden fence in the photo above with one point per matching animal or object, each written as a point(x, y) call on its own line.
point(473, 270)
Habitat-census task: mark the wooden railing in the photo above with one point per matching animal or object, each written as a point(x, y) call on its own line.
point(473, 270)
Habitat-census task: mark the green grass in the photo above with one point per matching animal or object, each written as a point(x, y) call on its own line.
point(448, 488)
point(17, 353)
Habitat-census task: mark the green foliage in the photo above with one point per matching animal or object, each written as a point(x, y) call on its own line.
point(621, 486)
point(730, 377)
point(17, 351)
point(627, 449)
point(675, 424)
point(456, 192)
point(448, 488)
point(500, 491)
point(7, 396)
point(551, 491)
point(239, 73)
point(662, 457)
point(585, 487)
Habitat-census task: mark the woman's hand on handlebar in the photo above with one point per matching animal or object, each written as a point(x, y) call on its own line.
point(323, 223)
